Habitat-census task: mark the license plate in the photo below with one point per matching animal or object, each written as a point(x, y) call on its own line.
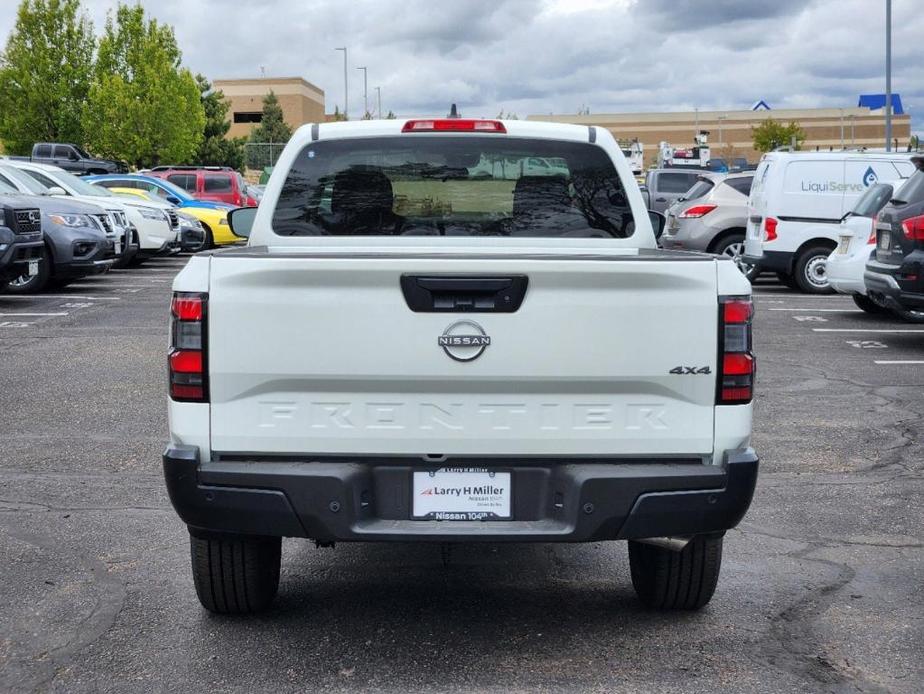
point(452, 493)
point(844, 245)
point(33, 268)
point(885, 239)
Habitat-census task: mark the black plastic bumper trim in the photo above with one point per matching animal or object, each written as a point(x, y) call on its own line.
point(364, 500)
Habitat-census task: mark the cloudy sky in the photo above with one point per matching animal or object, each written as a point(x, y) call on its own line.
point(542, 56)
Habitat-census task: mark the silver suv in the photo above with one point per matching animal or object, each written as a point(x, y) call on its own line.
point(712, 217)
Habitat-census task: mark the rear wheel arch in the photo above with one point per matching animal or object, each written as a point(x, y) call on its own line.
point(817, 241)
point(722, 235)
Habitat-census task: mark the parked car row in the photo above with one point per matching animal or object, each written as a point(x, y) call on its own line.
point(91, 224)
point(846, 222)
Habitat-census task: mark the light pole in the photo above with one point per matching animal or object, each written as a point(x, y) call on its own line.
point(378, 91)
point(888, 123)
point(365, 91)
point(346, 89)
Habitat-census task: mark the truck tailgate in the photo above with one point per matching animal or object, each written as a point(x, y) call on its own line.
point(311, 355)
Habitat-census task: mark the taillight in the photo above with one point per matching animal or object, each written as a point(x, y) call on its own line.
point(735, 381)
point(770, 229)
point(914, 228)
point(187, 359)
point(696, 211)
point(872, 231)
point(453, 125)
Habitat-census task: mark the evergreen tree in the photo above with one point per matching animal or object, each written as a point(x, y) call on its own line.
point(273, 127)
point(45, 74)
point(216, 149)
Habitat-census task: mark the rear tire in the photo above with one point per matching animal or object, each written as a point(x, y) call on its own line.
point(235, 574)
point(810, 273)
point(668, 580)
point(870, 306)
point(733, 247)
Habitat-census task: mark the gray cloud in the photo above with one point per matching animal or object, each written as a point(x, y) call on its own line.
point(541, 56)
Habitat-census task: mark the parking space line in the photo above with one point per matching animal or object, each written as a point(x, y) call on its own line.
point(4, 297)
point(20, 313)
point(820, 310)
point(866, 330)
point(898, 361)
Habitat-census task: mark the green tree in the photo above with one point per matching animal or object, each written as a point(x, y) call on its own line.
point(391, 115)
point(771, 134)
point(273, 127)
point(45, 74)
point(337, 116)
point(216, 149)
point(143, 106)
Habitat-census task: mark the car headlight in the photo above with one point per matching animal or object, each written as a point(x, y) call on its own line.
point(189, 222)
point(151, 213)
point(70, 220)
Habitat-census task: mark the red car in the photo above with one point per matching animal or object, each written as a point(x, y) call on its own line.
point(218, 183)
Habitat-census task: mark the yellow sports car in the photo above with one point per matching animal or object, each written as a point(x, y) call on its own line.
point(213, 216)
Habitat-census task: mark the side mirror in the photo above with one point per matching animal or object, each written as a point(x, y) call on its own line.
point(173, 200)
point(241, 221)
point(658, 221)
point(56, 190)
point(73, 156)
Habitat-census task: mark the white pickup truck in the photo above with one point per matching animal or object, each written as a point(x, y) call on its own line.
point(405, 351)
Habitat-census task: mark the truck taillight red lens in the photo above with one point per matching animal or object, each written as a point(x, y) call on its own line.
point(457, 125)
point(187, 358)
point(735, 382)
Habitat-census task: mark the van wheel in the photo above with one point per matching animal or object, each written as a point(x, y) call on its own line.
point(24, 284)
point(235, 574)
point(787, 280)
point(684, 580)
point(870, 306)
point(733, 247)
point(811, 270)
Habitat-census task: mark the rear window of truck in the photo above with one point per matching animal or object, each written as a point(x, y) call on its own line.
point(414, 185)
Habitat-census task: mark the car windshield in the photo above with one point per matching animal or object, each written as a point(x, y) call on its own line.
point(23, 180)
point(7, 189)
point(78, 185)
point(172, 189)
point(470, 185)
point(873, 200)
point(699, 189)
point(912, 190)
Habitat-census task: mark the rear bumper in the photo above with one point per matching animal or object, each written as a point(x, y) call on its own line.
point(368, 499)
point(845, 272)
point(771, 261)
point(895, 286)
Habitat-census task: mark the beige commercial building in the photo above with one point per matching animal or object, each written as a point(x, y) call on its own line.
point(301, 101)
point(730, 131)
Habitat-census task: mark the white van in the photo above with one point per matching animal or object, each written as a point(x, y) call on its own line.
point(797, 202)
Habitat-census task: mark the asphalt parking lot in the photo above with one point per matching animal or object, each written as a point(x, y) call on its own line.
point(822, 586)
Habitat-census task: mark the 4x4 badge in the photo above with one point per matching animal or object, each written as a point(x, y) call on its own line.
point(464, 340)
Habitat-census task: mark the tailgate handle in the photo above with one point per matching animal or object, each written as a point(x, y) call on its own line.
point(459, 293)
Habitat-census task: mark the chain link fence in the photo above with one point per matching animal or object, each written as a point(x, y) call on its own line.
point(259, 155)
